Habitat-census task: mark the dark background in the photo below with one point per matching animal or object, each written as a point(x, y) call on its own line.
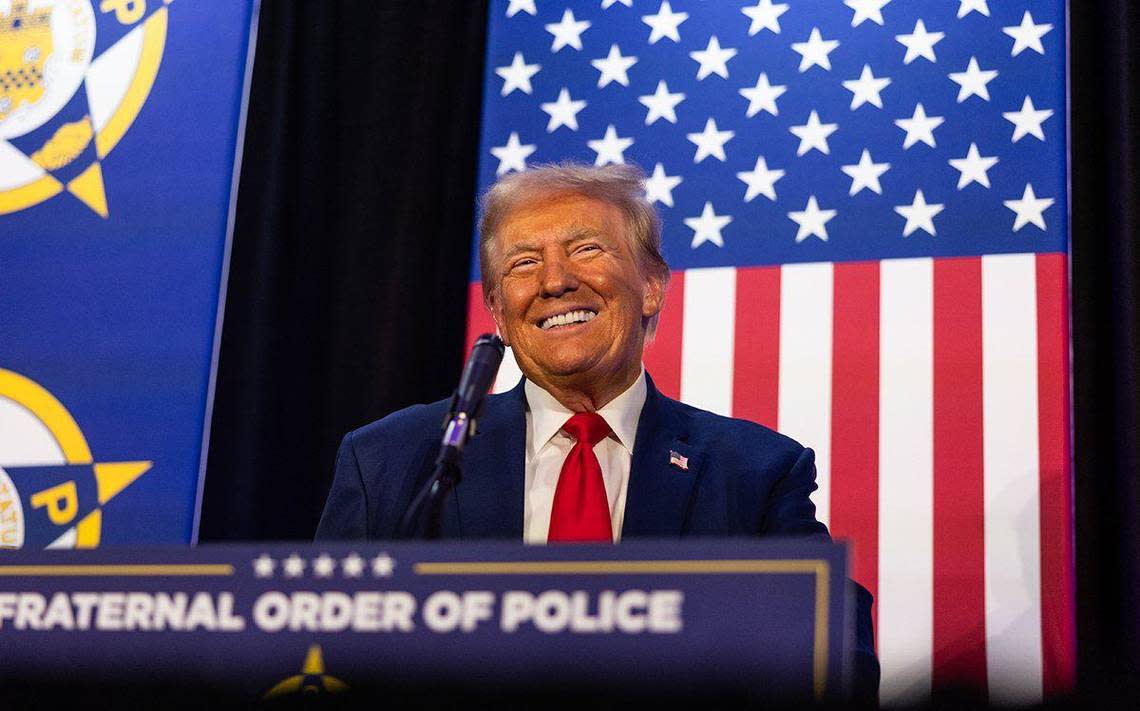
point(347, 294)
point(348, 275)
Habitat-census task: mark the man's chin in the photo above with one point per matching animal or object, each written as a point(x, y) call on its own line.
point(561, 370)
point(565, 371)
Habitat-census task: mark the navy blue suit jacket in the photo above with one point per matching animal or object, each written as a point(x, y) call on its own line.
point(742, 479)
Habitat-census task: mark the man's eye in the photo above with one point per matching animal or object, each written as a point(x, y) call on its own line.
point(588, 248)
point(525, 262)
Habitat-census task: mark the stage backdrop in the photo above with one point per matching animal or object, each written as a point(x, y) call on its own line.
point(865, 208)
point(119, 126)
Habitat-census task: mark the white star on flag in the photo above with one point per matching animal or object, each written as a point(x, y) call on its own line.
point(563, 112)
point(866, 89)
point(659, 187)
point(973, 167)
point(665, 23)
point(263, 566)
point(1028, 120)
point(866, 10)
point(567, 32)
point(973, 81)
point(919, 215)
point(661, 104)
point(1028, 209)
point(920, 43)
point(323, 566)
point(965, 7)
point(707, 227)
point(815, 51)
point(760, 180)
point(513, 155)
point(762, 97)
point(865, 174)
point(517, 75)
point(293, 566)
point(765, 16)
point(813, 134)
point(710, 142)
point(713, 59)
point(614, 67)
point(919, 127)
point(526, 6)
point(352, 566)
point(1027, 35)
point(609, 147)
point(382, 566)
point(606, 4)
point(812, 220)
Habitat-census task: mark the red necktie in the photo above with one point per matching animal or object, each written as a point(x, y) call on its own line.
point(581, 511)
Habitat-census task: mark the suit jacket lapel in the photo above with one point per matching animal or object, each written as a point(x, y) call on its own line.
point(488, 503)
point(659, 494)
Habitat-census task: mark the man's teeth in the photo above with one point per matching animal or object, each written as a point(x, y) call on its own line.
point(569, 318)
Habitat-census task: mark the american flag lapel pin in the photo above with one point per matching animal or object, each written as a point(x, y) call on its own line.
point(678, 461)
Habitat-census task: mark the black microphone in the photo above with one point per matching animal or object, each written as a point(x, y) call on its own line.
point(478, 376)
point(425, 513)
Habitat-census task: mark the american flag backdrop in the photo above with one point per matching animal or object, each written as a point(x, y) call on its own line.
point(865, 208)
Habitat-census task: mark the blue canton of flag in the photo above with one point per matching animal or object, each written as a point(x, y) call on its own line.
point(796, 132)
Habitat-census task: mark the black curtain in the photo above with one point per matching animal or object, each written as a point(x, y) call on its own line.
point(1105, 96)
point(348, 272)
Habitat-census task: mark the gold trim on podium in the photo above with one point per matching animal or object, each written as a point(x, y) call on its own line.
point(139, 570)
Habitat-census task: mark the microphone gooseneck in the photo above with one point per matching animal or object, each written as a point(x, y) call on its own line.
point(424, 516)
point(478, 377)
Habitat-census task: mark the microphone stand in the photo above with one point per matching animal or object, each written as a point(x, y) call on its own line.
point(428, 504)
point(466, 405)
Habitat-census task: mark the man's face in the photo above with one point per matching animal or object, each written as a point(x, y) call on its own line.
point(571, 301)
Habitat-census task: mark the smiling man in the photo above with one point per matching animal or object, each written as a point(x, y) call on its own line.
point(585, 448)
point(573, 275)
point(570, 291)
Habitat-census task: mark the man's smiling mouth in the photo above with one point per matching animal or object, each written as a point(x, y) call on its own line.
point(567, 319)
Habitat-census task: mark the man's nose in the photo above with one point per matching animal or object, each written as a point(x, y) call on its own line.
point(558, 276)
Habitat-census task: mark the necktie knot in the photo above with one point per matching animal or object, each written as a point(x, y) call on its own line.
point(587, 427)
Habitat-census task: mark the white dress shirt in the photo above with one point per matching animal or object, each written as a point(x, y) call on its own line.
point(547, 447)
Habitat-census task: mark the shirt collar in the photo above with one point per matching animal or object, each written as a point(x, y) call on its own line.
point(621, 414)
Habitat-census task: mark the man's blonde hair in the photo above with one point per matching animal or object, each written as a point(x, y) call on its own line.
point(622, 186)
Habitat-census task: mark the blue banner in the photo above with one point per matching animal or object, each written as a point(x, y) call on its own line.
point(759, 617)
point(119, 129)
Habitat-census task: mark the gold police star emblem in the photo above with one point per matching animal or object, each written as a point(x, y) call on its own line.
point(63, 109)
point(51, 489)
point(311, 680)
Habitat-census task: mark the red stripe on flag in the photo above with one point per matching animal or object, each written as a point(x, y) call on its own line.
point(959, 515)
point(479, 319)
point(855, 417)
point(1058, 633)
point(662, 358)
point(756, 360)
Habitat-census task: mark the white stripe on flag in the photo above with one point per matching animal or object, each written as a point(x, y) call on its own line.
point(1012, 499)
point(906, 479)
point(708, 337)
point(804, 409)
point(509, 373)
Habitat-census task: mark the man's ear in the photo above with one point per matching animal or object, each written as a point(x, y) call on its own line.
point(654, 296)
point(494, 305)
